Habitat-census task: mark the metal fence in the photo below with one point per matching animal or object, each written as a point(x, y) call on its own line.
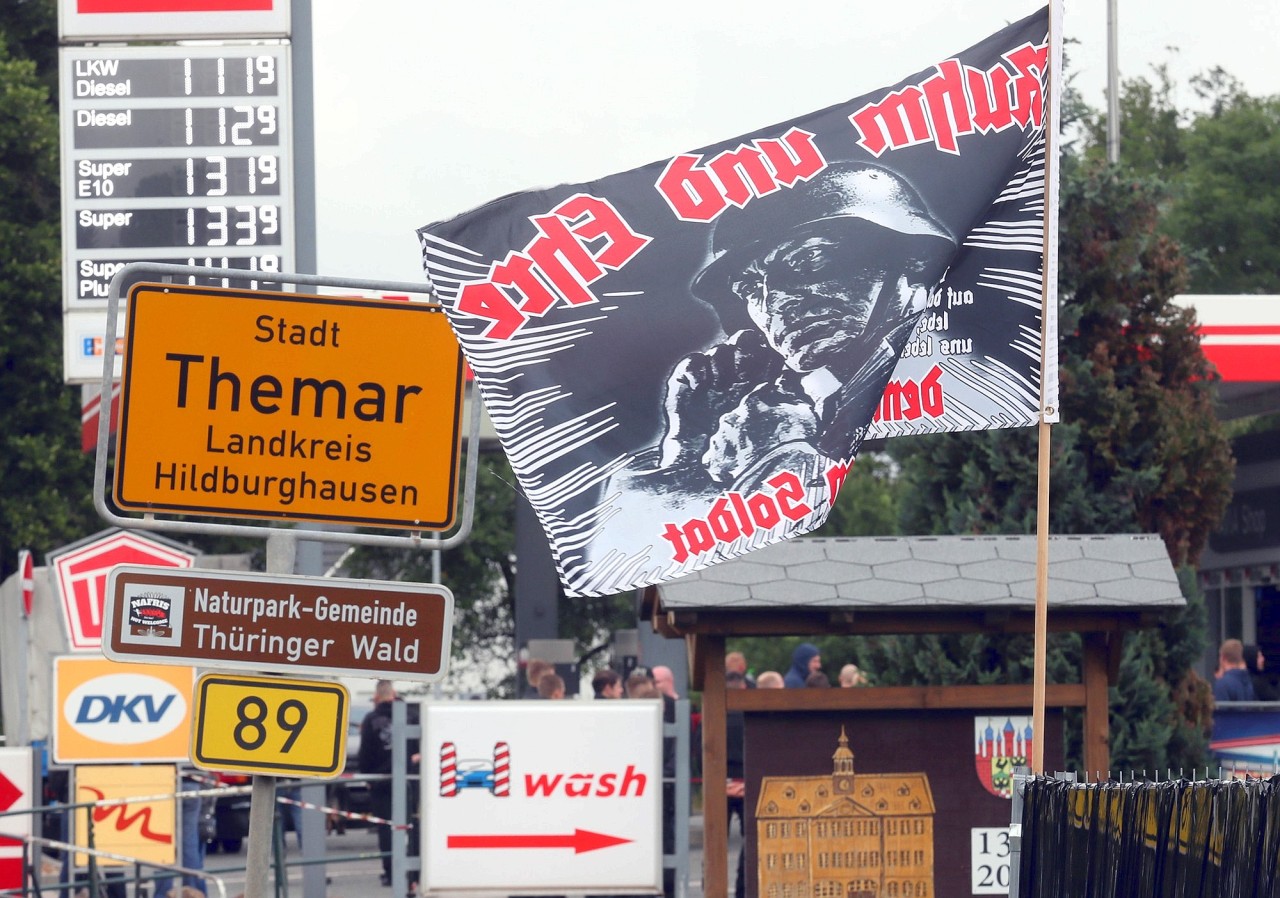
point(1180, 837)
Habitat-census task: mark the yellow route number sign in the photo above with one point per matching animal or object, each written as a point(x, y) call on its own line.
point(270, 725)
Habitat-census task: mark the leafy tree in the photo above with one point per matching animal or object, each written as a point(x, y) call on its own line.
point(1219, 163)
point(1229, 198)
point(479, 573)
point(30, 31)
point(45, 478)
point(1151, 127)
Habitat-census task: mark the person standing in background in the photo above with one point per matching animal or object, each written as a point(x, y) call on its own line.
point(736, 662)
point(735, 789)
point(551, 686)
point(805, 660)
point(533, 673)
point(607, 683)
point(1256, 663)
point(851, 676)
point(1232, 683)
point(196, 825)
point(770, 679)
point(665, 680)
point(374, 757)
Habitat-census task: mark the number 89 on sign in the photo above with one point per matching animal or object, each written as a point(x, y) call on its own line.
point(270, 725)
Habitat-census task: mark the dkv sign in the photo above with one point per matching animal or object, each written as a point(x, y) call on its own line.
point(537, 796)
point(107, 711)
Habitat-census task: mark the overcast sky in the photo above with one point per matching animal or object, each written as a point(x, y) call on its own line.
point(425, 110)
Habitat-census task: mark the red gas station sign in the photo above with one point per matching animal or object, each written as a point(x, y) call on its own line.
point(80, 574)
point(88, 20)
point(1240, 334)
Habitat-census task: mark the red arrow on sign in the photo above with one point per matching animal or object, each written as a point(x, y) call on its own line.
point(580, 841)
point(9, 793)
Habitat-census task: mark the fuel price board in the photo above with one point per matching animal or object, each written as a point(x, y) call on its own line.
point(177, 155)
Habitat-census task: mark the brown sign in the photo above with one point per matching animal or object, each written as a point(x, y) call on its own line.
point(266, 622)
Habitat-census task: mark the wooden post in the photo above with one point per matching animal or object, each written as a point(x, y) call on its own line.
point(1040, 660)
point(1097, 735)
point(1048, 337)
point(715, 810)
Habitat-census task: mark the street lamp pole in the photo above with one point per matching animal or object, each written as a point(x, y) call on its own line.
point(1113, 85)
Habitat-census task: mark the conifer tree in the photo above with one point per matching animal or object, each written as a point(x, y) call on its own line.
point(1139, 450)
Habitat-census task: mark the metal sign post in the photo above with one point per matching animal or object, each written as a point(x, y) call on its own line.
point(282, 550)
point(282, 542)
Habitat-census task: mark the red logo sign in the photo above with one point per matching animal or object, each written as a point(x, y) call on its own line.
point(111, 6)
point(82, 579)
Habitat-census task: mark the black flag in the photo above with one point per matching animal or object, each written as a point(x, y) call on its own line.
point(682, 360)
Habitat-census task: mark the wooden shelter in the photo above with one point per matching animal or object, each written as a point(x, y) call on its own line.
point(1099, 586)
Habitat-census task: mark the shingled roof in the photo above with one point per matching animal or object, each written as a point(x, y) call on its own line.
point(1125, 572)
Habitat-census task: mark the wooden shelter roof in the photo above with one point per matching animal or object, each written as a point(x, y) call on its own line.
point(926, 581)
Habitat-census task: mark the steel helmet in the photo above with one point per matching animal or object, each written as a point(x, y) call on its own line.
point(844, 193)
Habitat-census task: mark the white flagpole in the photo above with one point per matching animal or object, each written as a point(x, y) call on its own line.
point(1048, 382)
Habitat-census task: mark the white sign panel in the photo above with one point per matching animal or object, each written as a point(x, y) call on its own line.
point(88, 20)
point(84, 345)
point(989, 850)
point(534, 795)
point(178, 155)
point(14, 796)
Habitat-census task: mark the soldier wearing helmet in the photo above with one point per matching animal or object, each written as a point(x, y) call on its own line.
point(818, 287)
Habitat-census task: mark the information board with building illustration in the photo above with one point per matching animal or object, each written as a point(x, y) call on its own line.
point(884, 804)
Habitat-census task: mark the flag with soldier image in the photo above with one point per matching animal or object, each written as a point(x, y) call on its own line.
point(682, 360)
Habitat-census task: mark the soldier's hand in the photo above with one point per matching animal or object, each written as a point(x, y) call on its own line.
point(766, 419)
point(705, 385)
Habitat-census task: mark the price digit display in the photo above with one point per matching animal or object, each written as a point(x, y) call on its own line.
point(178, 155)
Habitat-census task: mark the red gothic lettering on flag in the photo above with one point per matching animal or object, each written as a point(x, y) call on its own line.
point(682, 360)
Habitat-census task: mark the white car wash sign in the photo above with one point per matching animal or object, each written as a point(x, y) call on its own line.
point(529, 796)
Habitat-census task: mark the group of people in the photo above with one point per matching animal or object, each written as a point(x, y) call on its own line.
point(1240, 675)
point(656, 682)
point(805, 671)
